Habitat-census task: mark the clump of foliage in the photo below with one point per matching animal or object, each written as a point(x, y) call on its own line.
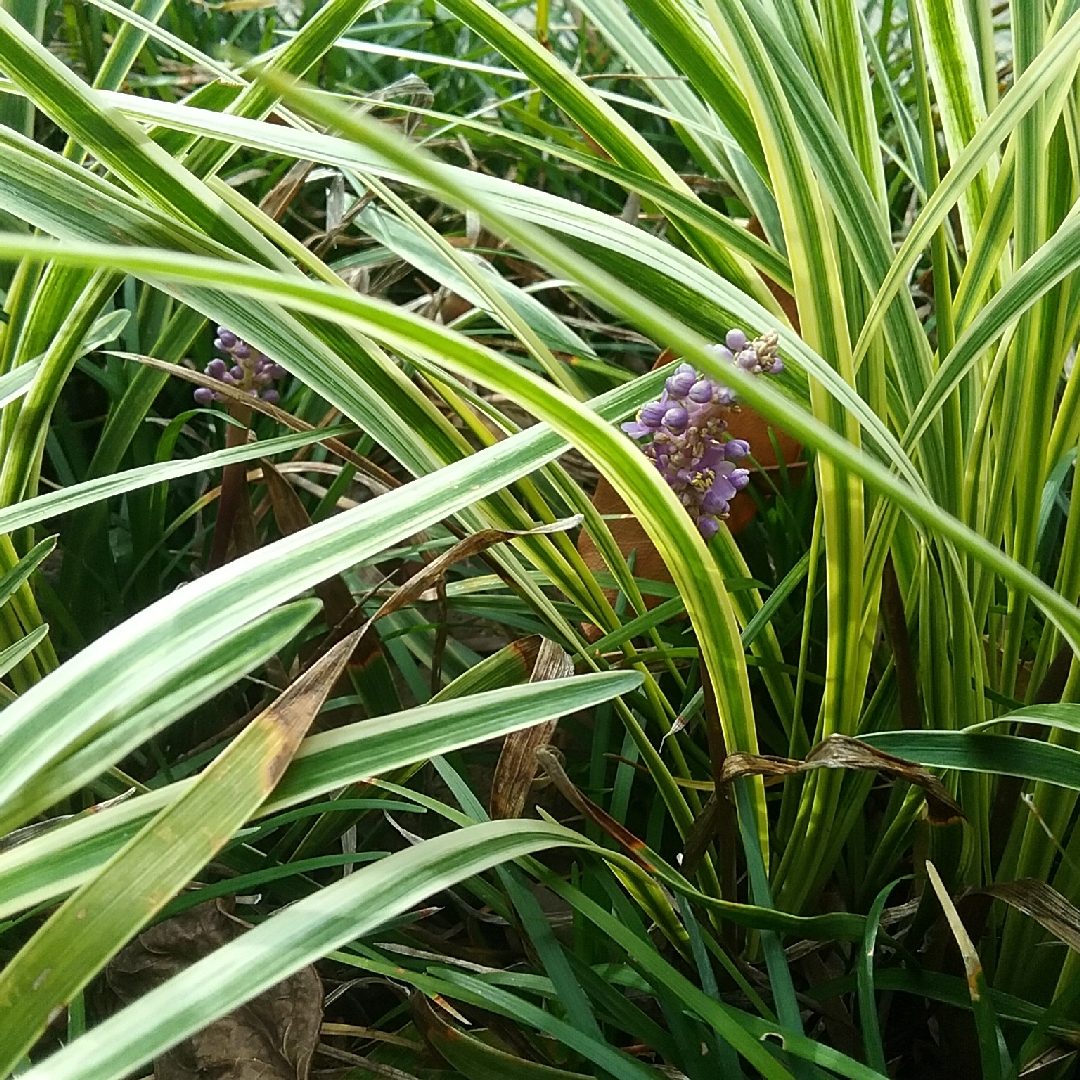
point(305, 307)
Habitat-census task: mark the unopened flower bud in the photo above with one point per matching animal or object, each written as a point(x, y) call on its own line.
point(708, 526)
point(679, 385)
point(676, 418)
point(701, 392)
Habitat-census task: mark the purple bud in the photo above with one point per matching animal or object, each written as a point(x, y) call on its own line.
point(724, 395)
point(271, 397)
point(736, 340)
point(675, 419)
point(708, 526)
point(241, 350)
point(278, 372)
point(777, 366)
point(678, 386)
point(701, 392)
point(203, 395)
point(715, 500)
point(237, 372)
point(739, 478)
point(735, 449)
point(722, 352)
point(652, 414)
point(747, 360)
point(216, 368)
point(225, 340)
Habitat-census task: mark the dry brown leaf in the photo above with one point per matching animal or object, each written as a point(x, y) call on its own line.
point(1043, 903)
point(550, 763)
point(276, 201)
point(516, 768)
point(292, 517)
point(842, 752)
point(272, 1037)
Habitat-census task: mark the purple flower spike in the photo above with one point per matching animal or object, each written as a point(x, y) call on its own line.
point(251, 371)
point(683, 433)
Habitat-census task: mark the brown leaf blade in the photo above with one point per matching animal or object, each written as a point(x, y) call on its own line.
point(516, 768)
point(843, 752)
point(1044, 904)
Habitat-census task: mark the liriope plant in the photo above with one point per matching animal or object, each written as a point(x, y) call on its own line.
point(940, 466)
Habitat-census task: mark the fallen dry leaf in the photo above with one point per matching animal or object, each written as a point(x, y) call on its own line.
point(272, 1037)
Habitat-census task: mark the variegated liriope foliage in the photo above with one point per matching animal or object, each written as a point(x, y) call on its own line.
point(911, 172)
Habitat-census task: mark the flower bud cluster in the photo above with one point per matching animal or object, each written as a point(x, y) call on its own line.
point(250, 371)
point(686, 429)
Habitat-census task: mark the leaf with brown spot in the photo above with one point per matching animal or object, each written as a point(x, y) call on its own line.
point(990, 1038)
point(272, 1037)
point(842, 752)
point(516, 768)
point(100, 917)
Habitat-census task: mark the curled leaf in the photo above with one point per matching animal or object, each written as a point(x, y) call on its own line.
point(842, 752)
